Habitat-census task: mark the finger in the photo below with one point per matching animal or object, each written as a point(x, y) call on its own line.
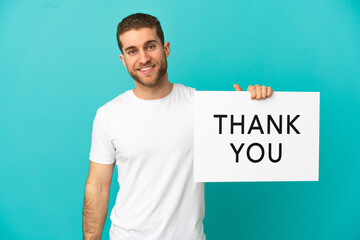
point(258, 92)
point(269, 91)
point(263, 92)
point(252, 91)
point(237, 87)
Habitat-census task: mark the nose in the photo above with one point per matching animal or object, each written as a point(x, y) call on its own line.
point(144, 57)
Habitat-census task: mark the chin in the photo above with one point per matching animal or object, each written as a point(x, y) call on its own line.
point(150, 83)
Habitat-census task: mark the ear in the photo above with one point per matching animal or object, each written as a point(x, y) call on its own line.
point(122, 59)
point(167, 49)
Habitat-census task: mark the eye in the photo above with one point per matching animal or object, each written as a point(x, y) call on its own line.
point(151, 47)
point(132, 52)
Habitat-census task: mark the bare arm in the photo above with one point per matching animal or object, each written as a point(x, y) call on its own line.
point(97, 189)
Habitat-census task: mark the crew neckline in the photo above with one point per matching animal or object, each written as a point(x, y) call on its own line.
point(153, 101)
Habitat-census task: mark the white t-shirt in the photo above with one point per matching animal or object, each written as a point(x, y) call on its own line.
point(152, 143)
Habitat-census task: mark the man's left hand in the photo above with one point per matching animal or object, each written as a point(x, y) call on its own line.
point(257, 92)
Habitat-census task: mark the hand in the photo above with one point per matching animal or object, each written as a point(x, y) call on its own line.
point(257, 92)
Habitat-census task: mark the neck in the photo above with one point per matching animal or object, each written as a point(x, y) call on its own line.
point(160, 90)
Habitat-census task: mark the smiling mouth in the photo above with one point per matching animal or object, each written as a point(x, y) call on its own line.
point(147, 69)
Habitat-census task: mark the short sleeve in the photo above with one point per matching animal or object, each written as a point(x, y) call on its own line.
point(102, 150)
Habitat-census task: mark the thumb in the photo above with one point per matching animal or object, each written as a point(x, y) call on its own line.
point(237, 88)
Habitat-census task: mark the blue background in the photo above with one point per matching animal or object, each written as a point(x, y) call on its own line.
point(59, 62)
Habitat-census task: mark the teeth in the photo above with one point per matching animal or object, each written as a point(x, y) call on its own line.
point(144, 69)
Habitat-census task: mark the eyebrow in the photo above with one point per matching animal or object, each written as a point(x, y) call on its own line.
point(146, 43)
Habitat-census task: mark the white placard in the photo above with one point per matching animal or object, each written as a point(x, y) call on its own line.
point(239, 139)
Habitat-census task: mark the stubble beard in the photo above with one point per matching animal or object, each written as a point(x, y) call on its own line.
point(158, 76)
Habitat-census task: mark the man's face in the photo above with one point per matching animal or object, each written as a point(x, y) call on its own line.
point(144, 56)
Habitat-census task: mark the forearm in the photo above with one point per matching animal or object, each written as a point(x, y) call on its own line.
point(94, 211)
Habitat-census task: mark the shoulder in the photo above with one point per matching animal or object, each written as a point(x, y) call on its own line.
point(185, 90)
point(113, 105)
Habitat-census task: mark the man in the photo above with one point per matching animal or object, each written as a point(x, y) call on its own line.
point(148, 132)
